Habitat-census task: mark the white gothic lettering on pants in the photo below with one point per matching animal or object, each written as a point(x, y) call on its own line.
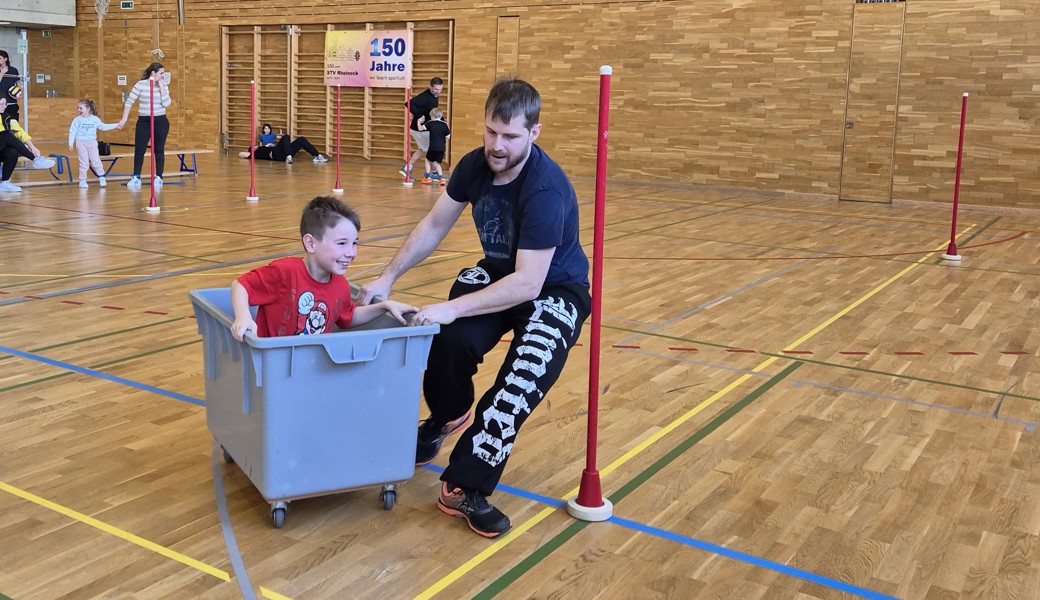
point(525, 371)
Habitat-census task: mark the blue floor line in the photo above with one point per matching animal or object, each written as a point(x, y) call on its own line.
point(753, 560)
point(99, 374)
point(706, 546)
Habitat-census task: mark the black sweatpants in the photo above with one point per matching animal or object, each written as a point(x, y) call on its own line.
point(142, 133)
point(543, 332)
point(10, 149)
point(286, 148)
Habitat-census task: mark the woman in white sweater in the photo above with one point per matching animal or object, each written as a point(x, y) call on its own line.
point(152, 83)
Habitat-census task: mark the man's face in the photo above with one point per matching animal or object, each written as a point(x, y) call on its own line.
point(507, 145)
point(436, 90)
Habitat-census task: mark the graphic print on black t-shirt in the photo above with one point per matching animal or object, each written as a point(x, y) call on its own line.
point(495, 217)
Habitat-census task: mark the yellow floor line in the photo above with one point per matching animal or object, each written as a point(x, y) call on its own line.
point(133, 539)
point(462, 570)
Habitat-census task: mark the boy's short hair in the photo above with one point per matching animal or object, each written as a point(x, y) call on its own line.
point(436, 113)
point(323, 213)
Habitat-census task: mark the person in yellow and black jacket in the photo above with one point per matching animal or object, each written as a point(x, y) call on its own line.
point(15, 142)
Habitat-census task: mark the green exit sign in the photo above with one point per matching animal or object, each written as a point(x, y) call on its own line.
point(126, 4)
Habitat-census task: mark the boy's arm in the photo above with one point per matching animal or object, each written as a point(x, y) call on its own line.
point(243, 318)
point(364, 314)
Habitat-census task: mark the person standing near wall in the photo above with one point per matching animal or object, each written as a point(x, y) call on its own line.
point(153, 75)
point(10, 85)
point(420, 107)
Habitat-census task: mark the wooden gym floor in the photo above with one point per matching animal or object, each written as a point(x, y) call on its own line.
point(800, 400)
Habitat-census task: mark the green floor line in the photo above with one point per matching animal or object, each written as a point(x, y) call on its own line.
point(973, 235)
point(95, 337)
point(509, 577)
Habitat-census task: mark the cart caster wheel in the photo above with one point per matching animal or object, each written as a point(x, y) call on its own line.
point(278, 517)
point(388, 497)
point(227, 457)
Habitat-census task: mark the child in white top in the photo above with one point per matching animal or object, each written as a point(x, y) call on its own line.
point(83, 134)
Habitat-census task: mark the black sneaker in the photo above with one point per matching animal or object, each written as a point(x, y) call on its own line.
point(482, 517)
point(431, 436)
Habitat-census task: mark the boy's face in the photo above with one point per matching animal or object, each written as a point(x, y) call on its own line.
point(335, 250)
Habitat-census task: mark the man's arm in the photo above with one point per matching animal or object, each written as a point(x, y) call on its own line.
point(420, 243)
point(522, 285)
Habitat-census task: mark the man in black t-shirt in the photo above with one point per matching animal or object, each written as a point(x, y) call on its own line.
point(420, 107)
point(532, 282)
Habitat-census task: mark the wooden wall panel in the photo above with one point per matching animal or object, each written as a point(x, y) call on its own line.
point(721, 92)
point(990, 49)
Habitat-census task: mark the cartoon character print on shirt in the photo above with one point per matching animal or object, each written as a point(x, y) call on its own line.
point(313, 315)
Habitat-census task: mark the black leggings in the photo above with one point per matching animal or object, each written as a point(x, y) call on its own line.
point(141, 136)
point(286, 148)
point(10, 149)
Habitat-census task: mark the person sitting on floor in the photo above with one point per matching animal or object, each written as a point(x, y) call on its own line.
point(283, 149)
point(15, 142)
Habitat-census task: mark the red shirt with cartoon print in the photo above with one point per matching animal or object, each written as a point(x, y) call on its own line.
point(291, 302)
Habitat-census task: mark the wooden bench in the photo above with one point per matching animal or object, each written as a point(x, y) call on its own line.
point(181, 155)
point(61, 172)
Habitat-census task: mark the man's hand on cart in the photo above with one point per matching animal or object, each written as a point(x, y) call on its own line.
point(374, 291)
point(442, 312)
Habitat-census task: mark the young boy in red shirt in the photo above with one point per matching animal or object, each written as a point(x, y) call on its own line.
point(304, 296)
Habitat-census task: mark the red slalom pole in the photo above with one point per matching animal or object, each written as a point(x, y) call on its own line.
point(251, 196)
point(951, 250)
point(339, 187)
point(153, 206)
point(590, 505)
point(407, 137)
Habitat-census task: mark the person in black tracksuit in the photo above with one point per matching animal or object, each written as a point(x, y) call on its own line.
point(531, 285)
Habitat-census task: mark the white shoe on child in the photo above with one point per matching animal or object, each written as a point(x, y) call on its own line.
point(7, 186)
point(320, 159)
point(83, 184)
point(157, 183)
point(288, 160)
point(101, 182)
point(42, 162)
point(134, 183)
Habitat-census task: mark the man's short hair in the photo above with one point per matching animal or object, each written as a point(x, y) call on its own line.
point(510, 97)
point(436, 81)
point(324, 213)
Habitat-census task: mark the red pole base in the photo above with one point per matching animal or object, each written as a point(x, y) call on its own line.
point(589, 492)
point(589, 504)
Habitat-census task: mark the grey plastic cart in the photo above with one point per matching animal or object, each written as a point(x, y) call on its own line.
point(313, 415)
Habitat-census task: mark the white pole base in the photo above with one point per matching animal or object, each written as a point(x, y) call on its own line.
point(337, 190)
point(151, 209)
point(951, 256)
point(590, 513)
point(407, 183)
point(252, 198)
